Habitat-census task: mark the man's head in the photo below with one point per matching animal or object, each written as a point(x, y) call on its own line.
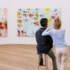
point(44, 22)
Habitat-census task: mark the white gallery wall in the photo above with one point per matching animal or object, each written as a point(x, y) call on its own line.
point(13, 5)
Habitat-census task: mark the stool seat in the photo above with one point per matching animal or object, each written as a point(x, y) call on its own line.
point(46, 62)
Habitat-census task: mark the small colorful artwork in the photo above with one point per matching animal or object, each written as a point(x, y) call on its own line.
point(3, 22)
point(28, 19)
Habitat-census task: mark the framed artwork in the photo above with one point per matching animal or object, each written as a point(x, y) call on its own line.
point(28, 19)
point(3, 22)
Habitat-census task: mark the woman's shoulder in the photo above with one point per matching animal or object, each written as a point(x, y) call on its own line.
point(59, 29)
point(63, 29)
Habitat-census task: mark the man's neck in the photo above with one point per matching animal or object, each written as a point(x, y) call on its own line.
point(43, 27)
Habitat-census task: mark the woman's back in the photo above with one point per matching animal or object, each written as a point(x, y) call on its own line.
point(58, 36)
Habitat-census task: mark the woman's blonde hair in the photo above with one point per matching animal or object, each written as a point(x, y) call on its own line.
point(57, 23)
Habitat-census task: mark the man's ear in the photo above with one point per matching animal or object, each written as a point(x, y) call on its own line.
point(46, 26)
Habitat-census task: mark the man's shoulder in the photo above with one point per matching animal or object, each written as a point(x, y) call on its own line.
point(38, 30)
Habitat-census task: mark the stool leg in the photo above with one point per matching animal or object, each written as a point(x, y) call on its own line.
point(38, 62)
point(46, 62)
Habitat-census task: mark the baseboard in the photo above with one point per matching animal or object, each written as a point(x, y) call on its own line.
point(22, 44)
point(18, 44)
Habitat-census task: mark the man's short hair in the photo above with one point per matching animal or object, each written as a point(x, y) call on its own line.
point(44, 22)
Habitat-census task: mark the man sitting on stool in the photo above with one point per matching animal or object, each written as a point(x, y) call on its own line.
point(45, 43)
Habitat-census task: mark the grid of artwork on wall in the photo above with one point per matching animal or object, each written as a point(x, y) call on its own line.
point(28, 19)
point(3, 22)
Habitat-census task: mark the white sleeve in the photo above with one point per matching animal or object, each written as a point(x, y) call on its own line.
point(46, 32)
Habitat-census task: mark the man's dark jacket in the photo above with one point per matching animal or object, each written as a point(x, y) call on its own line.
point(44, 43)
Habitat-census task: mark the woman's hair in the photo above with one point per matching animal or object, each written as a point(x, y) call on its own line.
point(57, 23)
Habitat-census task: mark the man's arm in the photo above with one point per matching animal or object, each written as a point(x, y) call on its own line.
point(36, 37)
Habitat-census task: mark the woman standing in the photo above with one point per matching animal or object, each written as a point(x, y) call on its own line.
point(58, 36)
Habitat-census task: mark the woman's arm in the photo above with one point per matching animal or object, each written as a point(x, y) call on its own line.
point(46, 32)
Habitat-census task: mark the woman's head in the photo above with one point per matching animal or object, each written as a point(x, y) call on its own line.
point(57, 23)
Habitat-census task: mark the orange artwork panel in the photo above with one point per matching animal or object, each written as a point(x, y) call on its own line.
point(3, 22)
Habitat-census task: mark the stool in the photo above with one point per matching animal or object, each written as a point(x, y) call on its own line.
point(46, 62)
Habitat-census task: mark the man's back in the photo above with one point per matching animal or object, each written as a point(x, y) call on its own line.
point(44, 43)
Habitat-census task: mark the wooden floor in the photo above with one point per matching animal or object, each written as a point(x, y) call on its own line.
point(22, 57)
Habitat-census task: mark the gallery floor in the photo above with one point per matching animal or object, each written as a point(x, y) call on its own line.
point(22, 57)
